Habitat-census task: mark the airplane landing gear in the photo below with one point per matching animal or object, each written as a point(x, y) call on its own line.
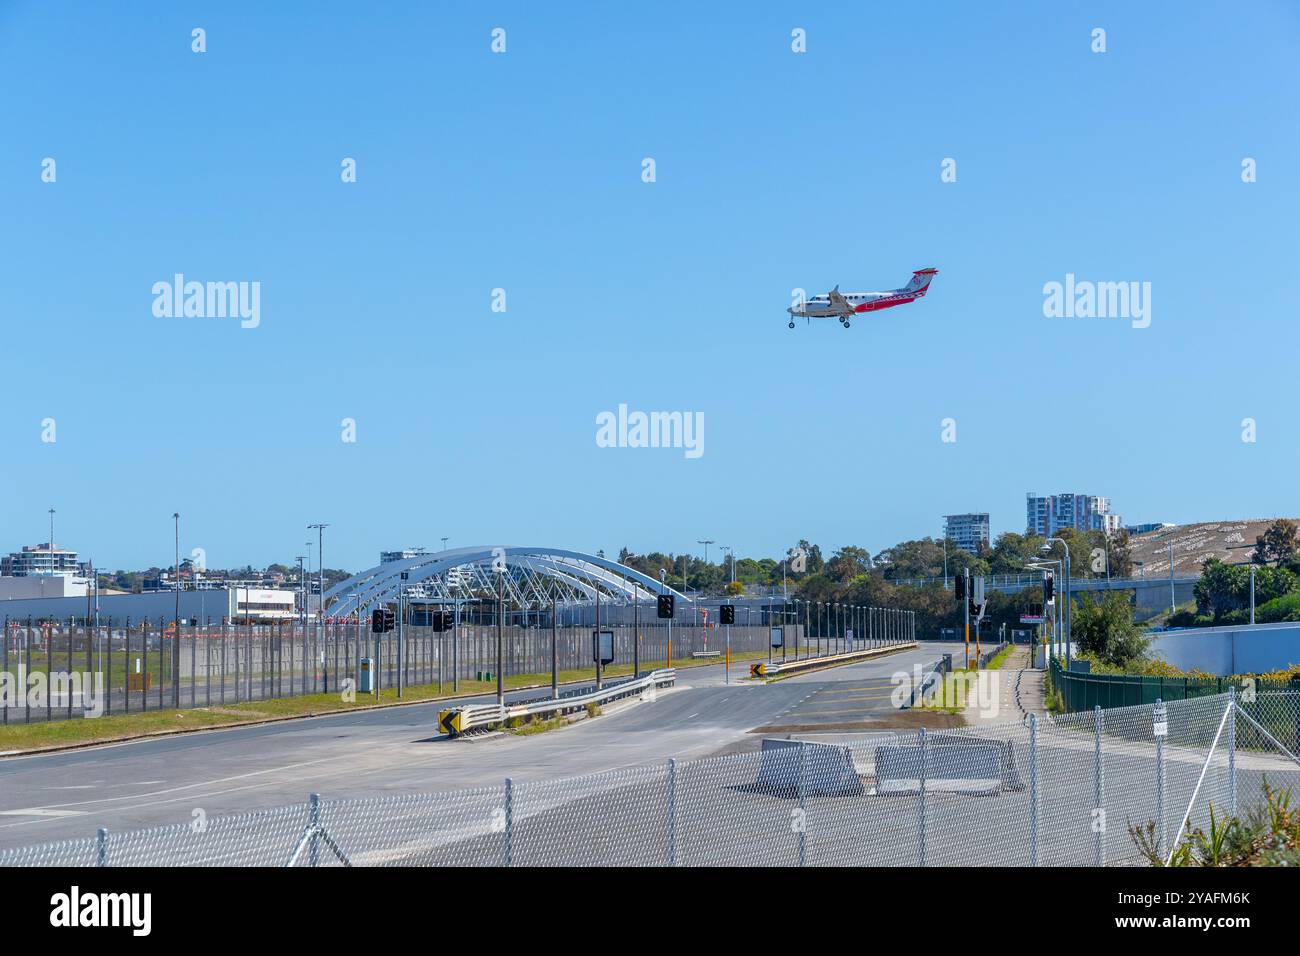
point(846, 323)
point(792, 323)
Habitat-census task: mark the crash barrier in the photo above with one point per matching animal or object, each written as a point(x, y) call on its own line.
point(1161, 768)
point(459, 720)
point(1008, 772)
point(813, 769)
point(933, 674)
point(812, 663)
point(974, 769)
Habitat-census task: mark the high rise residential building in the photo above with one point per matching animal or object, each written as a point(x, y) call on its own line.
point(1047, 514)
point(967, 531)
point(39, 559)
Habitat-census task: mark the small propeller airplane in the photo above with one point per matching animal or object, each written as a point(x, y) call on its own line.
point(845, 305)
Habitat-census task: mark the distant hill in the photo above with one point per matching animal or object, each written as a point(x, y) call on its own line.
point(1232, 542)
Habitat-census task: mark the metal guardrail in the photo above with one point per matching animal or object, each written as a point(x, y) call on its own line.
point(809, 663)
point(935, 673)
point(459, 720)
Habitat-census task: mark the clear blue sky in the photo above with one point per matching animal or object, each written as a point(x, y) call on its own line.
point(522, 171)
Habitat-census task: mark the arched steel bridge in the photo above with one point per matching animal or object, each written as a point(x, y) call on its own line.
point(532, 577)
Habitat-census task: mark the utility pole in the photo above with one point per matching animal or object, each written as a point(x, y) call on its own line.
point(1252, 594)
point(176, 637)
point(1172, 605)
point(636, 630)
point(596, 647)
point(501, 606)
point(555, 672)
point(320, 572)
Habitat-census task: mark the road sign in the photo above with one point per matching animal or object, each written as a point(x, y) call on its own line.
point(848, 634)
point(1031, 619)
point(1161, 720)
point(449, 721)
point(757, 670)
point(778, 637)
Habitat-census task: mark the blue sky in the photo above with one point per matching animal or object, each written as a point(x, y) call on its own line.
point(522, 171)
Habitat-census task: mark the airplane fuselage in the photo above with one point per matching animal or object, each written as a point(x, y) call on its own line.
point(820, 305)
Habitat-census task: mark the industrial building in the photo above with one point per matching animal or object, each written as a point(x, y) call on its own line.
point(201, 606)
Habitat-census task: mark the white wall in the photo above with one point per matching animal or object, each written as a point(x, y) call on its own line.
point(1241, 649)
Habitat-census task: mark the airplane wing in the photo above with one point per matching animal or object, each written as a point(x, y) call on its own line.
point(839, 304)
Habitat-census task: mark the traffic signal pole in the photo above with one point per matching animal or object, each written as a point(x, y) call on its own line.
point(965, 609)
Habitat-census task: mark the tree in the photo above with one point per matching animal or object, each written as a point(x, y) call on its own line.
point(1104, 629)
point(848, 563)
point(1278, 542)
point(1011, 552)
point(1220, 588)
point(1121, 555)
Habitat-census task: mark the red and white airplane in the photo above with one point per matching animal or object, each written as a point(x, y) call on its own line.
point(845, 305)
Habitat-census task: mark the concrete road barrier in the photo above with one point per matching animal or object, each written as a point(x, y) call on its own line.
point(821, 769)
point(974, 768)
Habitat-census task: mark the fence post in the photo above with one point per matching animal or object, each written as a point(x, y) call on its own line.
point(1232, 750)
point(1160, 789)
point(101, 844)
point(1033, 789)
point(1098, 795)
point(672, 812)
point(803, 809)
point(313, 856)
point(510, 822)
point(925, 756)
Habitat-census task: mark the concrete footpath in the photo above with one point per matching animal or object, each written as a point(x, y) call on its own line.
point(1020, 692)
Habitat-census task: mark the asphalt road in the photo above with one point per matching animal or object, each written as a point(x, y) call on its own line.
point(398, 750)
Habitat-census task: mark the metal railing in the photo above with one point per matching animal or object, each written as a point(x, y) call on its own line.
point(461, 720)
point(1084, 690)
point(798, 665)
point(1043, 792)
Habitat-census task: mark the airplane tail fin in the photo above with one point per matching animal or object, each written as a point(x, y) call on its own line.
point(920, 280)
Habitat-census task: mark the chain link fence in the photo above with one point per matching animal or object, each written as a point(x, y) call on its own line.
point(1045, 792)
point(65, 671)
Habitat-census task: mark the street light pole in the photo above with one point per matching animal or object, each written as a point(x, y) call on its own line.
point(1172, 604)
point(501, 605)
point(1252, 594)
point(320, 572)
point(176, 636)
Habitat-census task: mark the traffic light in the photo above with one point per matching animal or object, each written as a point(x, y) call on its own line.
point(665, 605)
point(382, 620)
point(1048, 584)
point(727, 613)
point(442, 620)
point(960, 593)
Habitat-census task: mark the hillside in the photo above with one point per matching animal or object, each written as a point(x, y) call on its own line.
point(1232, 542)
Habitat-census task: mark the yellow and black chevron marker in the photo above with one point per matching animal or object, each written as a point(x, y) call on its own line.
point(757, 670)
point(449, 722)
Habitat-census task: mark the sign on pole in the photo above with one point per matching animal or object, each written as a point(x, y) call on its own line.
point(1161, 719)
